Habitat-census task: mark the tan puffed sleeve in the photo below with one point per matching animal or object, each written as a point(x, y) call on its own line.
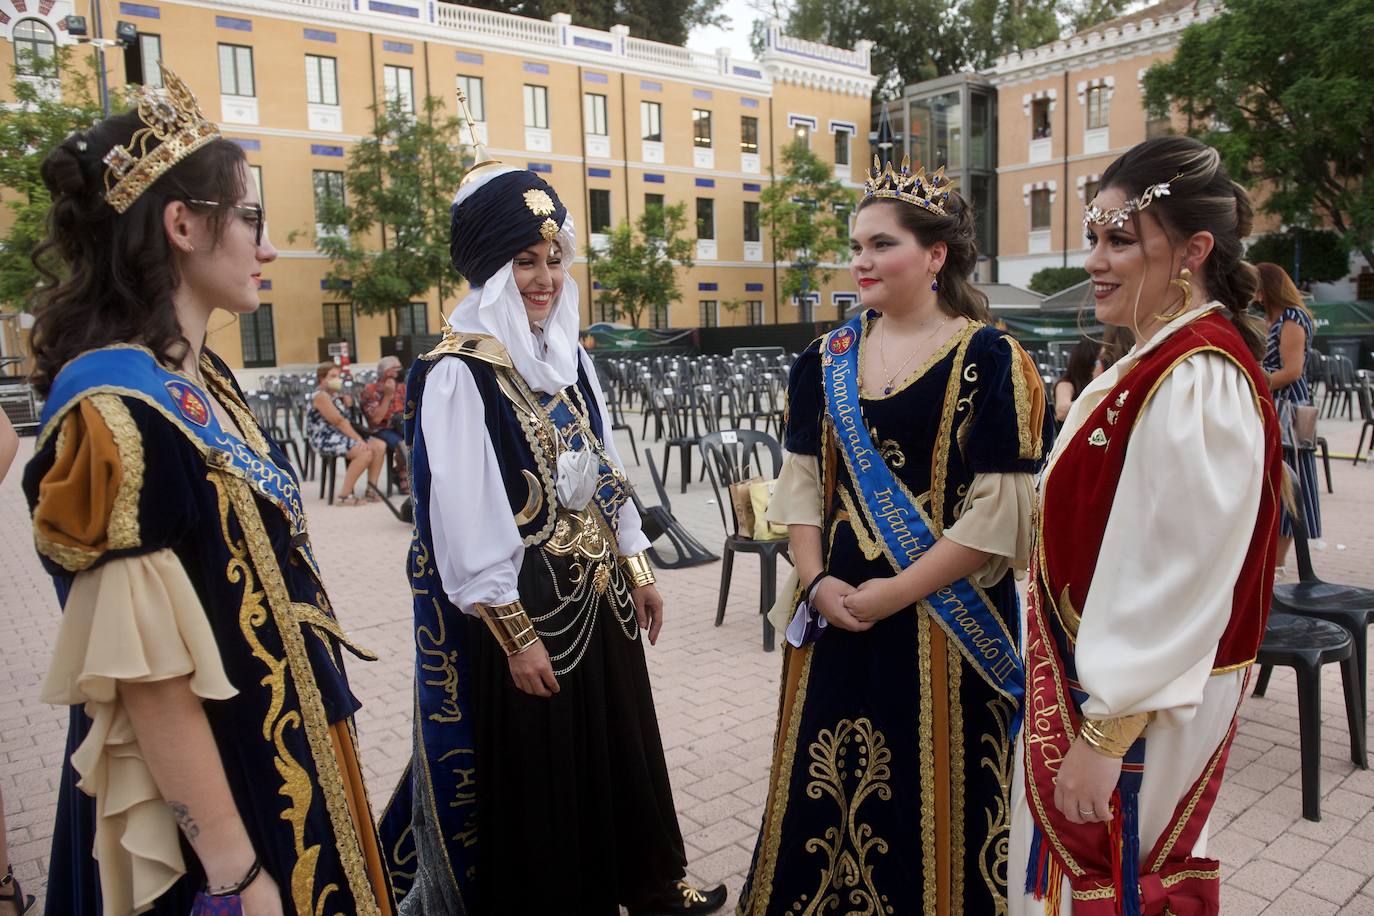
point(995, 518)
point(132, 619)
point(797, 496)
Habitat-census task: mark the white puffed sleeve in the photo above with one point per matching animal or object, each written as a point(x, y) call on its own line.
point(477, 547)
point(1176, 538)
point(632, 539)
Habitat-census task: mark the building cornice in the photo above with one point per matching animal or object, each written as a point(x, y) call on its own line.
point(1110, 43)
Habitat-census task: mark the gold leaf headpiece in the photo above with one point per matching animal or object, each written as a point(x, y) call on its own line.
point(929, 192)
point(173, 128)
point(1117, 216)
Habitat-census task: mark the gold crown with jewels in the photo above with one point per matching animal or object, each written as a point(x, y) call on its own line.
point(173, 128)
point(929, 192)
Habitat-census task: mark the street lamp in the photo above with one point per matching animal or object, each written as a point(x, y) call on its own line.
point(126, 36)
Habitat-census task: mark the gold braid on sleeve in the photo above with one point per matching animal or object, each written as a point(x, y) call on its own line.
point(1114, 736)
point(510, 625)
point(637, 569)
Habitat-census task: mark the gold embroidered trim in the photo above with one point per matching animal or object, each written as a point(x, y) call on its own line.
point(997, 842)
point(538, 432)
point(939, 468)
point(320, 620)
point(849, 514)
point(770, 837)
point(926, 743)
point(123, 532)
point(916, 374)
point(1181, 821)
point(1028, 440)
point(311, 703)
point(954, 664)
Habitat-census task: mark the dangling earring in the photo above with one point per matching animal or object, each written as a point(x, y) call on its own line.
point(1184, 282)
point(934, 284)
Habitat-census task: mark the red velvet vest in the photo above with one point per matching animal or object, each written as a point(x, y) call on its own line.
point(1079, 492)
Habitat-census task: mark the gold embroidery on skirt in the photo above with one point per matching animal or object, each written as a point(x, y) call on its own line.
point(847, 846)
point(992, 857)
point(926, 736)
point(955, 666)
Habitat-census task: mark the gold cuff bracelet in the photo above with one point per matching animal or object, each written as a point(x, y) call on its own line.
point(638, 570)
point(510, 625)
point(1114, 736)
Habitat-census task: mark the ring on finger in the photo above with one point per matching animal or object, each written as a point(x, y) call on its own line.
point(1090, 812)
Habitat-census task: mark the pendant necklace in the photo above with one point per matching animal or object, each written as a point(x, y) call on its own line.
point(882, 353)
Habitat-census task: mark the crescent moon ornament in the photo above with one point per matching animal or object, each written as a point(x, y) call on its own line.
point(534, 500)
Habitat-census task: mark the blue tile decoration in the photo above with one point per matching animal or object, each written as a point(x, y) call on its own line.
point(247, 144)
point(142, 10)
point(467, 57)
point(706, 287)
point(706, 182)
point(531, 67)
point(748, 71)
point(650, 86)
point(753, 287)
point(264, 284)
point(705, 94)
point(751, 186)
point(395, 9)
point(597, 44)
point(321, 149)
point(346, 284)
point(400, 47)
point(233, 22)
point(653, 178)
point(543, 167)
point(749, 103)
point(320, 35)
point(594, 172)
point(596, 77)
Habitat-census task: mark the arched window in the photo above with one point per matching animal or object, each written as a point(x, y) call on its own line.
point(34, 48)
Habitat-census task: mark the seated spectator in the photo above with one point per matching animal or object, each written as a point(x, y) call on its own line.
point(384, 403)
point(328, 431)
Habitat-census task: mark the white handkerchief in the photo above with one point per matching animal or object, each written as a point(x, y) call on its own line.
point(577, 473)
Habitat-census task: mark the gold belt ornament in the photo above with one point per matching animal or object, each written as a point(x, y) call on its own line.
point(578, 533)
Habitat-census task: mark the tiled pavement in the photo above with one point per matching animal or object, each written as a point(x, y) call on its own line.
point(716, 692)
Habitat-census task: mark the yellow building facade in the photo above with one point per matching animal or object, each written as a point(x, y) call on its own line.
point(615, 123)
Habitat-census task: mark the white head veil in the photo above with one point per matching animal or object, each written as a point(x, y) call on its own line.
point(497, 308)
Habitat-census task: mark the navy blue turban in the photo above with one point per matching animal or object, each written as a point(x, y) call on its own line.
point(502, 218)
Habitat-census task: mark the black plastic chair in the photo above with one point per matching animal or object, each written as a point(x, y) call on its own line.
point(1348, 606)
point(659, 521)
point(729, 456)
point(1305, 645)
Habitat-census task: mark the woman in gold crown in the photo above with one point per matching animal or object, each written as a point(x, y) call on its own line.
point(913, 432)
point(211, 762)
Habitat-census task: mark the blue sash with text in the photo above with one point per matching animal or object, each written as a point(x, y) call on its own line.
point(133, 372)
point(959, 607)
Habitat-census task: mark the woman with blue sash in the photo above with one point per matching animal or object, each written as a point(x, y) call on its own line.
point(211, 761)
point(538, 783)
point(913, 434)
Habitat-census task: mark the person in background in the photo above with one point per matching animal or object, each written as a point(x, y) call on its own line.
point(1116, 343)
point(331, 434)
point(384, 407)
point(13, 900)
point(1287, 351)
point(1076, 377)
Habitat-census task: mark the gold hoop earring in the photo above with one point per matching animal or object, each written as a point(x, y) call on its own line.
point(1184, 281)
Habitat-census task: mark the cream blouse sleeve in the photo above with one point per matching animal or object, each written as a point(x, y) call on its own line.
point(133, 619)
point(797, 496)
point(995, 517)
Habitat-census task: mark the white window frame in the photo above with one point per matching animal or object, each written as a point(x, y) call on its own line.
point(651, 116)
point(232, 83)
point(536, 106)
point(398, 84)
point(596, 113)
point(321, 80)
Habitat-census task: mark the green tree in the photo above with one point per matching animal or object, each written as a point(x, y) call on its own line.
point(400, 186)
point(1050, 280)
point(1325, 255)
point(638, 269)
point(806, 209)
point(922, 39)
point(36, 122)
point(1283, 90)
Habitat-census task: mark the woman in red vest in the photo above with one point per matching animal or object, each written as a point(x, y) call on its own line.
point(1154, 561)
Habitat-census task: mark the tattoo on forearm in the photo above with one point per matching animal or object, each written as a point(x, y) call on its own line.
point(184, 820)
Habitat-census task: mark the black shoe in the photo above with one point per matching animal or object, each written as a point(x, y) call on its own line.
point(681, 897)
point(24, 902)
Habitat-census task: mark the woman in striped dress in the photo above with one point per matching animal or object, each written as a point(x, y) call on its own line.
point(1285, 362)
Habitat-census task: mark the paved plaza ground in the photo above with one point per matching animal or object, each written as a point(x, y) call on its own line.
point(716, 692)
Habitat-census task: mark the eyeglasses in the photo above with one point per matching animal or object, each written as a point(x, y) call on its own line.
point(252, 213)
